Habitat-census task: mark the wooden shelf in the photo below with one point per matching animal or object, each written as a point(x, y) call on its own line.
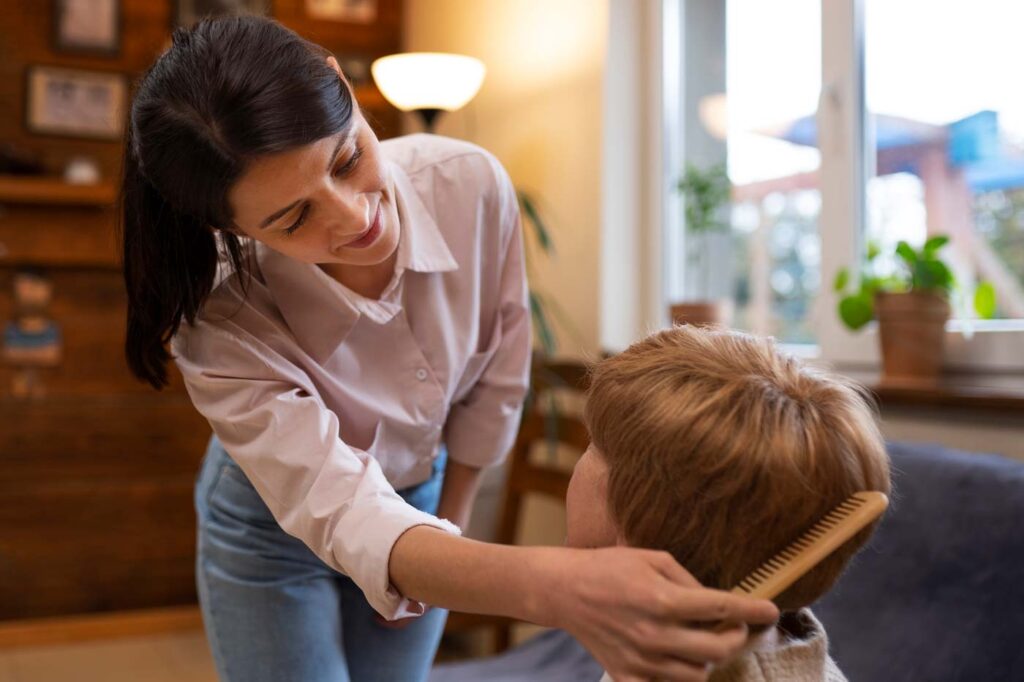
point(997, 393)
point(49, 191)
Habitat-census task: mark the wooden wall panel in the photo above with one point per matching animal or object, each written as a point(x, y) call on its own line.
point(89, 306)
point(57, 236)
point(75, 545)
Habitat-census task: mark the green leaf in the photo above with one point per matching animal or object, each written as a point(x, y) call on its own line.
point(935, 243)
point(842, 279)
point(873, 250)
point(706, 193)
point(533, 217)
point(907, 253)
point(540, 322)
point(932, 275)
point(985, 300)
point(856, 311)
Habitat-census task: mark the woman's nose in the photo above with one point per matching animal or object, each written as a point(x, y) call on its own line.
point(348, 216)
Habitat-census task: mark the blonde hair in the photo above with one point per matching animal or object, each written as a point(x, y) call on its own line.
point(721, 450)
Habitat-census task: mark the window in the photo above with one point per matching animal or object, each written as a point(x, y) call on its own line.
point(948, 123)
point(771, 95)
point(847, 121)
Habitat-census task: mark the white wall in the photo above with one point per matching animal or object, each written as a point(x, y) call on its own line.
point(539, 112)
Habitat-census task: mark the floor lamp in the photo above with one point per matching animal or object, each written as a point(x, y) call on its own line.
point(428, 83)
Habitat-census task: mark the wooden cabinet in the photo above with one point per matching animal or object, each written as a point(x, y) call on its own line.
point(96, 475)
point(96, 503)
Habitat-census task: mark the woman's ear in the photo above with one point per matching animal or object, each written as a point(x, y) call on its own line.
point(333, 63)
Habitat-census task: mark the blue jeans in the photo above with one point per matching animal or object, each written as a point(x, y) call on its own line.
point(274, 611)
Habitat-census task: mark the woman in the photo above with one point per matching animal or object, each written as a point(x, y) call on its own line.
point(370, 305)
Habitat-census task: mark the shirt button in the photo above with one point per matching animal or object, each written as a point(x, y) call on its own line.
point(421, 374)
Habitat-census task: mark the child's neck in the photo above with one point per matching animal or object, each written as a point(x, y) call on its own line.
point(789, 627)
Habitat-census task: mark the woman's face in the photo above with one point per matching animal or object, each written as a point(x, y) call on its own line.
point(330, 202)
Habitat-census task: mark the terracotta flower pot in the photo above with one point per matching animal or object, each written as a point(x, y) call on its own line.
point(912, 330)
point(701, 313)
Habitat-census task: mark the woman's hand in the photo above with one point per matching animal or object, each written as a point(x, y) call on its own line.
point(639, 613)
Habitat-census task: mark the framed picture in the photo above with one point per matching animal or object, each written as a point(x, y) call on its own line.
point(353, 11)
point(356, 68)
point(188, 12)
point(92, 26)
point(75, 103)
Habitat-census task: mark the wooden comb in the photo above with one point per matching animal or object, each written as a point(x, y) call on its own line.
point(774, 576)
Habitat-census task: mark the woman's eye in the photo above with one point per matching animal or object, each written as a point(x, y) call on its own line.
point(347, 167)
point(299, 222)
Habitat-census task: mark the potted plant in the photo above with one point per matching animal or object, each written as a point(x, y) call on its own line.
point(707, 194)
point(911, 304)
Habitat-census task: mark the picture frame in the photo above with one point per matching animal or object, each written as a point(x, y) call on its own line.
point(75, 103)
point(350, 11)
point(188, 12)
point(87, 26)
point(356, 68)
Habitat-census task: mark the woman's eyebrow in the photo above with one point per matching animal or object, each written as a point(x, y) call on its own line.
point(277, 214)
point(337, 149)
point(342, 139)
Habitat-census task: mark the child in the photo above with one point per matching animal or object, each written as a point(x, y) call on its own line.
point(714, 446)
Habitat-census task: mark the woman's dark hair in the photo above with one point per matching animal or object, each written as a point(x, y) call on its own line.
point(227, 91)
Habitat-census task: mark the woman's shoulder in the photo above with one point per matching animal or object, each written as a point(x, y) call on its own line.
point(238, 310)
point(423, 156)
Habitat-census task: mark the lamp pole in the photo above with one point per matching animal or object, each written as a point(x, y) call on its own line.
point(429, 118)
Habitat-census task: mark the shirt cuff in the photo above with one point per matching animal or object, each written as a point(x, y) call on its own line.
point(392, 520)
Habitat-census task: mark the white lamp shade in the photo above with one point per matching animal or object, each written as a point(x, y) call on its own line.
point(428, 80)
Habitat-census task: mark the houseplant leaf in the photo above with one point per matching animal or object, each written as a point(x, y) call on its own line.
point(540, 230)
point(857, 310)
point(933, 275)
point(541, 323)
point(907, 253)
point(985, 300)
point(842, 279)
point(935, 243)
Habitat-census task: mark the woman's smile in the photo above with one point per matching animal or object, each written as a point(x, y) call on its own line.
point(370, 235)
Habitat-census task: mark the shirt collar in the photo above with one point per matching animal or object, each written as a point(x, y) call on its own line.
point(320, 311)
point(422, 247)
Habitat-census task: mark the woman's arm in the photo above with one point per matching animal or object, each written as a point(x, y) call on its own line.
point(635, 610)
point(461, 484)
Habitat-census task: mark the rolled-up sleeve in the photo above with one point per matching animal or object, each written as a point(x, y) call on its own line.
point(333, 497)
point(482, 425)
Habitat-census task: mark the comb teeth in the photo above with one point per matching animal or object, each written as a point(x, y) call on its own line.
point(797, 558)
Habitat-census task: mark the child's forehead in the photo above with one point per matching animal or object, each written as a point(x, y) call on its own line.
point(592, 461)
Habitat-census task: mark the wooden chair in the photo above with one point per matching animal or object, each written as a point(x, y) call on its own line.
point(526, 476)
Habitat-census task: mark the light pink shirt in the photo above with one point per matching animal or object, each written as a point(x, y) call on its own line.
point(330, 401)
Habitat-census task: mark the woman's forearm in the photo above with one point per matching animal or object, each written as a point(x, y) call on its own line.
point(461, 484)
point(633, 609)
point(445, 570)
